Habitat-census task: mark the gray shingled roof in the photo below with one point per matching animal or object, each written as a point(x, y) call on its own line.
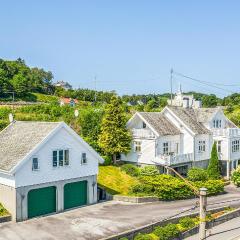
point(160, 123)
point(190, 118)
point(19, 138)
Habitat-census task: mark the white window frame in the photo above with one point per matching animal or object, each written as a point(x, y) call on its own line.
point(33, 168)
point(82, 162)
point(217, 123)
point(64, 160)
point(166, 148)
point(235, 146)
point(219, 146)
point(201, 146)
point(137, 146)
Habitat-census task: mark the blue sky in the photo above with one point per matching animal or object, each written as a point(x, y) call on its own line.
point(129, 45)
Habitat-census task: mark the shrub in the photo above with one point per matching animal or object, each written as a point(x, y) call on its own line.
point(142, 236)
point(213, 186)
point(213, 169)
point(236, 177)
point(107, 160)
point(168, 232)
point(130, 169)
point(197, 174)
point(148, 171)
point(187, 223)
point(142, 188)
point(123, 238)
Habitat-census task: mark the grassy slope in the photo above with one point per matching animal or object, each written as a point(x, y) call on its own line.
point(114, 180)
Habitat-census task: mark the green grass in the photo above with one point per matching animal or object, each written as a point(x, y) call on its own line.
point(45, 98)
point(115, 181)
point(3, 211)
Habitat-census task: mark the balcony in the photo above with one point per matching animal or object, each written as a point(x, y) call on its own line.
point(170, 160)
point(142, 133)
point(227, 132)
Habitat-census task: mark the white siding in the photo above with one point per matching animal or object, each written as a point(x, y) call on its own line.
point(203, 155)
point(6, 179)
point(47, 173)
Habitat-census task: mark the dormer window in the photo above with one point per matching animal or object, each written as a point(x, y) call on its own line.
point(35, 165)
point(144, 125)
point(217, 123)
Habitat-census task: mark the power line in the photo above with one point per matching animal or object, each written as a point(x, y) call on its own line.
point(203, 82)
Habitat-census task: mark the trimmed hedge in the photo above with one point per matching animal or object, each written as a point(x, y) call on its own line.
point(197, 174)
point(130, 169)
point(148, 171)
point(167, 187)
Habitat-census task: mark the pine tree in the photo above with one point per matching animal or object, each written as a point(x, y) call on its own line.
point(114, 137)
point(213, 169)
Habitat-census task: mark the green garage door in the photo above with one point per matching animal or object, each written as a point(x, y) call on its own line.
point(75, 194)
point(41, 201)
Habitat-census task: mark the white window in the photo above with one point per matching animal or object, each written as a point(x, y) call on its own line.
point(165, 148)
point(201, 146)
point(217, 123)
point(137, 146)
point(219, 146)
point(235, 145)
point(60, 158)
point(35, 164)
point(84, 158)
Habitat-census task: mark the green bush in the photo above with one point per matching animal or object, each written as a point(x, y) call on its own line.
point(197, 174)
point(167, 232)
point(130, 169)
point(236, 177)
point(142, 188)
point(123, 238)
point(142, 236)
point(213, 169)
point(148, 171)
point(107, 160)
point(187, 223)
point(214, 187)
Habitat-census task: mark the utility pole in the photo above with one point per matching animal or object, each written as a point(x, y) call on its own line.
point(203, 213)
point(202, 193)
point(171, 84)
point(95, 87)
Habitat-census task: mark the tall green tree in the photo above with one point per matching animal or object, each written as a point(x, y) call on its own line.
point(114, 137)
point(213, 169)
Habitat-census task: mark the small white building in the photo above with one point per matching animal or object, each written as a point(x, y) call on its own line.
point(182, 135)
point(45, 167)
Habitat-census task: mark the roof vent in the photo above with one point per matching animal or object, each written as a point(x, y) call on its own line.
point(11, 119)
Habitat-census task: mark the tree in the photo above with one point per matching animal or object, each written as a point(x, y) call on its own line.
point(213, 169)
point(114, 137)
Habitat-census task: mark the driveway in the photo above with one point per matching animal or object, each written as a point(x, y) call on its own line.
point(102, 220)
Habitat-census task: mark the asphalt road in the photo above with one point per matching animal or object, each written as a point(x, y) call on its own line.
point(227, 231)
point(102, 220)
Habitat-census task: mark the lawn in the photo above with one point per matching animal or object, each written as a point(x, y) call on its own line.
point(115, 181)
point(3, 211)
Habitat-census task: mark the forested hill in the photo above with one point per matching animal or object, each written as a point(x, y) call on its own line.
point(16, 76)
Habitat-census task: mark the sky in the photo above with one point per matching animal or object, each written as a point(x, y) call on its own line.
point(128, 46)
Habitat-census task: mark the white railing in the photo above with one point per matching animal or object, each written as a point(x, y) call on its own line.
point(227, 132)
point(142, 133)
point(174, 159)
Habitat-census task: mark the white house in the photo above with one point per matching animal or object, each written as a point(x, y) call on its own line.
point(182, 135)
point(45, 167)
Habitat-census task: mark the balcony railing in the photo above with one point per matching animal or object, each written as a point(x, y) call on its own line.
point(227, 132)
point(142, 133)
point(174, 159)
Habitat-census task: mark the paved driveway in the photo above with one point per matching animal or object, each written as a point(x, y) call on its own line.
point(100, 220)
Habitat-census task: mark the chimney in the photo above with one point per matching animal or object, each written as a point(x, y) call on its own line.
point(185, 102)
point(10, 117)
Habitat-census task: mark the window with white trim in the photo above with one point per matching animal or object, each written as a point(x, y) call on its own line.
point(60, 158)
point(84, 158)
point(165, 148)
point(201, 146)
point(217, 123)
point(35, 164)
point(137, 146)
point(235, 146)
point(219, 146)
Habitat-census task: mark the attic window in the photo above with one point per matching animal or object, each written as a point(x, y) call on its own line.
point(35, 165)
point(144, 125)
point(60, 158)
point(84, 158)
